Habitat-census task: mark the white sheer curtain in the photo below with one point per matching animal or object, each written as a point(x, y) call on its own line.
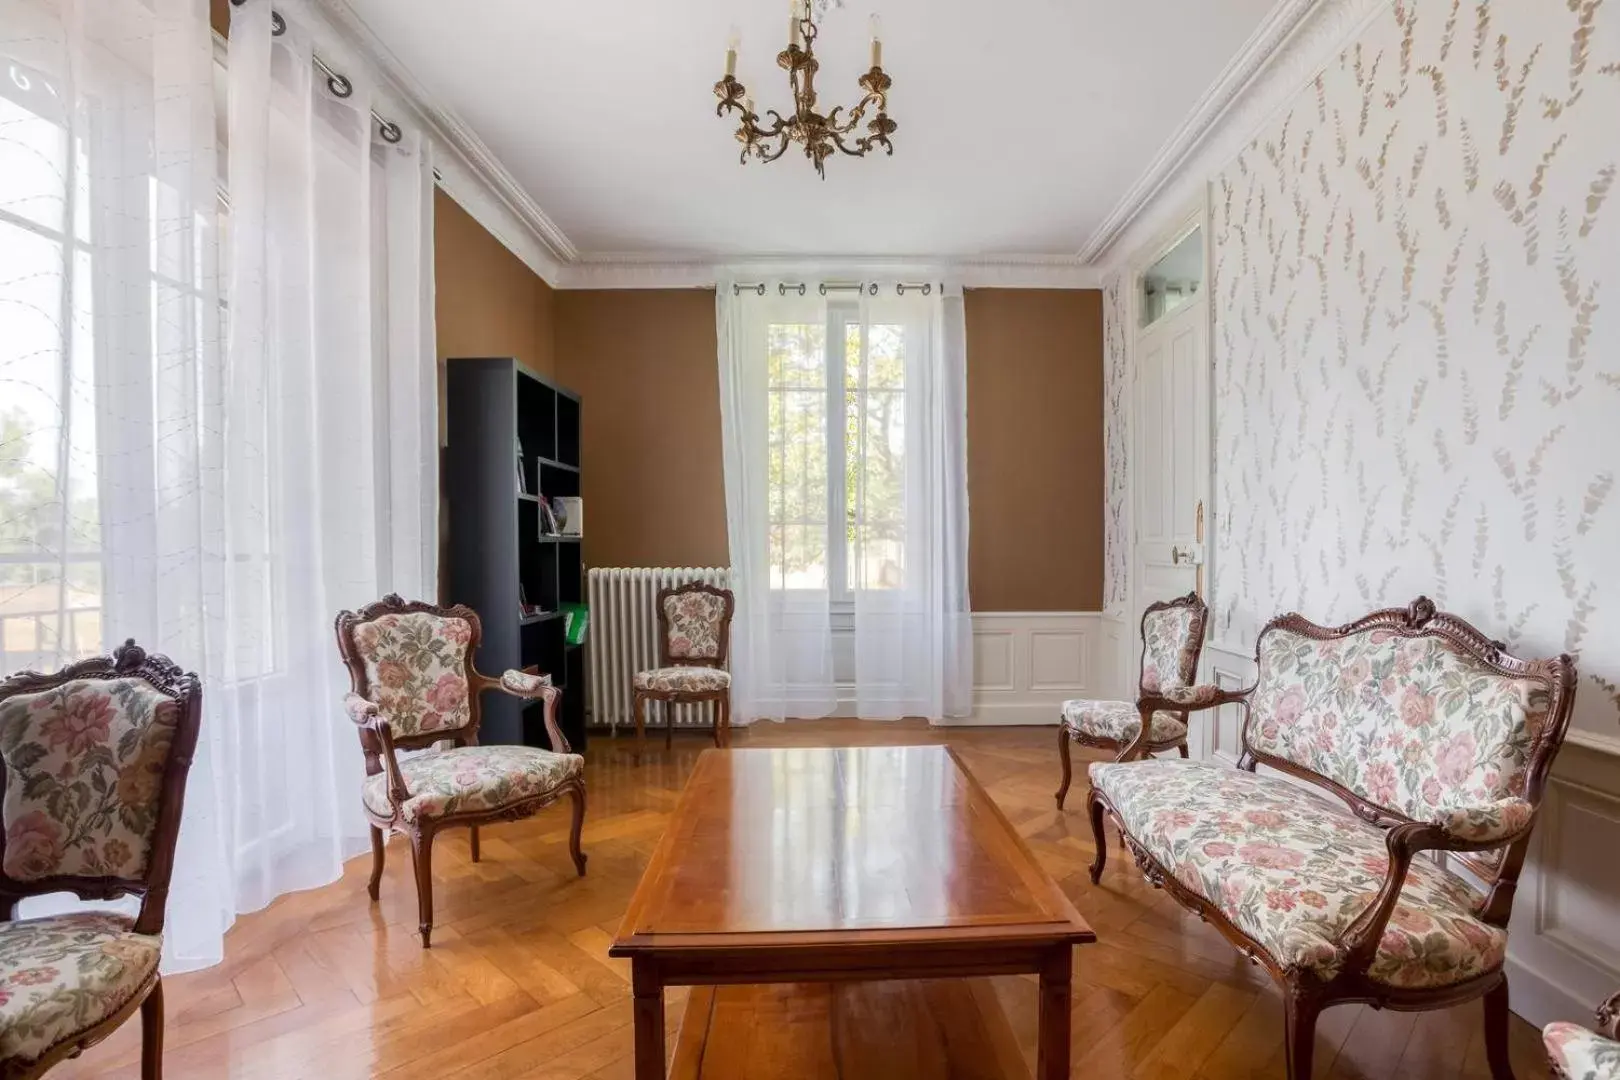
point(844, 428)
point(218, 503)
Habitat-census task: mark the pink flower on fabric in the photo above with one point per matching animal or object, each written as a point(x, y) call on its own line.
point(33, 846)
point(1217, 849)
point(1313, 899)
point(1432, 792)
point(1271, 856)
point(1356, 673)
point(448, 693)
point(1408, 919)
point(1417, 708)
point(1281, 900)
point(1290, 705)
point(81, 723)
point(393, 674)
point(455, 631)
point(1455, 759)
point(39, 976)
point(1381, 782)
point(1266, 819)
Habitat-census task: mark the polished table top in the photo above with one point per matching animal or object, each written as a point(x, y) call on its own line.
point(864, 845)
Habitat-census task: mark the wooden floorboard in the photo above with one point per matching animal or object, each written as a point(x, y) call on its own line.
point(518, 984)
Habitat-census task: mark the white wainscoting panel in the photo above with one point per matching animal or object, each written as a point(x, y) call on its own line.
point(1219, 735)
point(1027, 663)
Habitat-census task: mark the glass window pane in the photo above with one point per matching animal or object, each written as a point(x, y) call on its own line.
point(33, 147)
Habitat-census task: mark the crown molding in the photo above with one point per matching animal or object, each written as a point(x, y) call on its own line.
point(1291, 35)
point(650, 270)
point(472, 175)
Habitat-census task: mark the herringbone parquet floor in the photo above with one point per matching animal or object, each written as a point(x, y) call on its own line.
point(518, 982)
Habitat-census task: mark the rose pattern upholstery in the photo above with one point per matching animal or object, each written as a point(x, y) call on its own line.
point(467, 778)
point(1120, 721)
point(695, 620)
point(1408, 723)
point(1579, 1054)
point(1169, 649)
point(62, 975)
point(84, 777)
point(1498, 823)
point(416, 670)
point(1190, 696)
point(683, 680)
point(1293, 871)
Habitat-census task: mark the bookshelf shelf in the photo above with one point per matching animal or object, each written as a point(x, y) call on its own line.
point(502, 418)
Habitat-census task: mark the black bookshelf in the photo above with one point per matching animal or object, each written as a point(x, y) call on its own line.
point(500, 553)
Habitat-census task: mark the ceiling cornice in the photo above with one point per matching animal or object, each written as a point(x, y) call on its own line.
point(650, 270)
point(1173, 156)
point(450, 131)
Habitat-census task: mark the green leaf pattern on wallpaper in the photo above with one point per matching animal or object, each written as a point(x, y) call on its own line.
point(1417, 335)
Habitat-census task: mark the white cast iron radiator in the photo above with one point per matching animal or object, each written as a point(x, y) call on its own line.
point(623, 639)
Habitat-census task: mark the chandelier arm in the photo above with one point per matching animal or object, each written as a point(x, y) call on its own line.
point(781, 148)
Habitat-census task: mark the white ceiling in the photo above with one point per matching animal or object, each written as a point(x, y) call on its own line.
point(1022, 122)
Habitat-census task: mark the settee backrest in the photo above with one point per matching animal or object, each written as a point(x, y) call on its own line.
point(1411, 712)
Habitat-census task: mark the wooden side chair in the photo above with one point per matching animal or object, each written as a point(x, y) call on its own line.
point(414, 685)
point(96, 757)
point(694, 638)
point(1172, 641)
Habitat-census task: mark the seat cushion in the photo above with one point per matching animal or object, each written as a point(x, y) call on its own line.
point(1119, 721)
point(1293, 870)
point(1581, 1054)
point(468, 778)
point(62, 975)
point(690, 680)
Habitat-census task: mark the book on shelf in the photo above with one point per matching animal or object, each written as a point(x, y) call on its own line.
point(569, 510)
point(577, 619)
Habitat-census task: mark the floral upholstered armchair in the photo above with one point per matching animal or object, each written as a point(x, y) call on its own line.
point(1578, 1054)
point(414, 685)
point(96, 757)
point(1172, 639)
point(1405, 732)
point(694, 636)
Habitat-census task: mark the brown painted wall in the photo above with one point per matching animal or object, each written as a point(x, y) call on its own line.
point(1035, 449)
point(645, 363)
point(488, 302)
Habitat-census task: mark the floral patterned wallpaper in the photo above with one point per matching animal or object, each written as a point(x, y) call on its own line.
point(1417, 336)
point(1116, 403)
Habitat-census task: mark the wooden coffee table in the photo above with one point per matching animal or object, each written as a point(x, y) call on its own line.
point(831, 865)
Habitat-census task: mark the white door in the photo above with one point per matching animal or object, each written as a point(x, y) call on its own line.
point(1171, 469)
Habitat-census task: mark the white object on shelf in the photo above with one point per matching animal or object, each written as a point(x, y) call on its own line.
point(570, 514)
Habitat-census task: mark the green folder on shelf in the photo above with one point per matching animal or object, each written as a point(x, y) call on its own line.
point(577, 618)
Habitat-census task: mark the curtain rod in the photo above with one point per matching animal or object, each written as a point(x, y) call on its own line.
point(870, 288)
point(337, 83)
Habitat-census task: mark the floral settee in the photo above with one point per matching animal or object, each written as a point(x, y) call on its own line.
point(1578, 1054)
point(1411, 732)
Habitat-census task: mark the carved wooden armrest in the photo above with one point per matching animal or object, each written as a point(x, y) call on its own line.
point(1608, 1018)
point(1180, 699)
point(535, 687)
point(377, 736)
point(1404, 842)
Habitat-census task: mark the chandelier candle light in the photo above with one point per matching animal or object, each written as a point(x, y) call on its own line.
point(819, 135)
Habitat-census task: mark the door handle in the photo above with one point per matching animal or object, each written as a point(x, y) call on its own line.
point(1176, 555)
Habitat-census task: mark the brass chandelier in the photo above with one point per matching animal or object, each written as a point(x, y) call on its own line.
point(820, 136)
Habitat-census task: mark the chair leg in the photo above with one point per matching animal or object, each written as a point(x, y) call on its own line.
point(578, 796)
point(1183, 749)
point(1063, 759)
point(669, 725)
point(474, 842)
point(1496, 1031)
point(1099, 837)
point(722, 721)
point(152, 1034)
point(377, 850)
point(641, 720)
point(1299, 1016)
point(422, 859)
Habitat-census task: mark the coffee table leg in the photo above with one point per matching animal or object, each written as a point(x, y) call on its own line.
point(1053, 1059)
point(649, 1017)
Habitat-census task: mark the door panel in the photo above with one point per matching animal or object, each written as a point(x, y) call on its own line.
point(1172, 436)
